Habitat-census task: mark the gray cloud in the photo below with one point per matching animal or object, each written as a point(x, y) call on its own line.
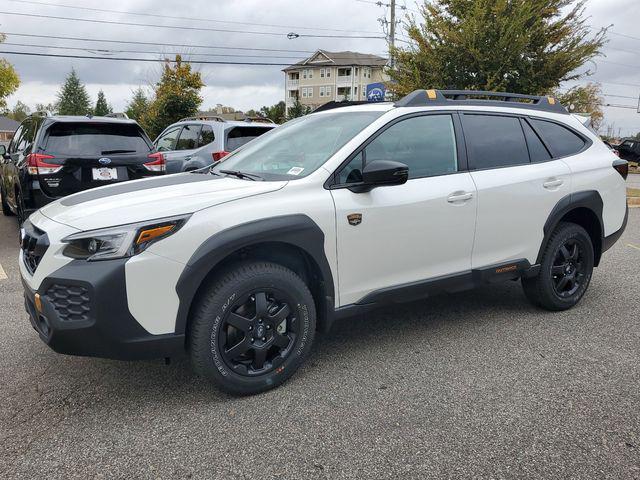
point(253, 86)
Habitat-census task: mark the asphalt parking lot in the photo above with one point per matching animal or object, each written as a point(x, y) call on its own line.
point(474, 385)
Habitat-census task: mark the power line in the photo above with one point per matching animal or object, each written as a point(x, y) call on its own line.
point(105, 51)
point(184, 45)
point(128, 59)
point(624, 35)
point(175, 27)
point(173, 17)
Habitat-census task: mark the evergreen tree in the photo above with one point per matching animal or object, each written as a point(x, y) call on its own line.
point(297, 110)
point(274, 112)
point(19, 112)
point(522, 46)
point(102, 107)
point(73, 98)
point(138, 105)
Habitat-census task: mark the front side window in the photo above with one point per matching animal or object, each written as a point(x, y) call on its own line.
point(167, 141)
point(298, 147)
point(16, 137)
point(561, 140)
point(495, 141)
point(188, 138)
point(426, 144)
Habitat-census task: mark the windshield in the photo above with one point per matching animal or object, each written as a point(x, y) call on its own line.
point(298, 147)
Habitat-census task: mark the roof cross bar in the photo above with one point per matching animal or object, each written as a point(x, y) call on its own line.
point(428, 98)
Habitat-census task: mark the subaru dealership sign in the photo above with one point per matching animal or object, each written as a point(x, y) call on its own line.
point(375, 92)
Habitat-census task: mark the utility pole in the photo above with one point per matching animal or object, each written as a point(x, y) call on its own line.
point(392, 32)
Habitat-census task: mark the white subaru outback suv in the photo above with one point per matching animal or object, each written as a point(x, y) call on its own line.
point(327, 216)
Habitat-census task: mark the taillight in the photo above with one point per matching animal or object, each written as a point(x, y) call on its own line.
point(36, 164)
point(157, 164)
point(219, 155)
point(622, 167)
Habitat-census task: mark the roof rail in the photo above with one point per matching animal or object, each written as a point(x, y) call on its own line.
point(259, 120)
point(215, 118)
point(117, 115)
point(345, 103)
point(427, 98)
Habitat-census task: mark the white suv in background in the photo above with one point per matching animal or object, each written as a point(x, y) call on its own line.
point(328, 216)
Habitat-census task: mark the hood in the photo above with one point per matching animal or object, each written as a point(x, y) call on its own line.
point(148, 199)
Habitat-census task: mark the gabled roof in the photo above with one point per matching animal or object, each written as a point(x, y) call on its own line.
point(324, 58)
point(8, 125)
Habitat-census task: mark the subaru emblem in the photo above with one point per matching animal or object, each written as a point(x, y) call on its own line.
point(104, 161)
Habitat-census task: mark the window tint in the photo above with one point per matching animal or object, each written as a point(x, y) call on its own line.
point(537, 151)
point(561, 140)
point(24, 141)
point(87, 139)
point(167, 141)
point(238, 136)
point(16, 138)
point(188, 137)
point(206, 135)
point(495, 141)
point(352, 171)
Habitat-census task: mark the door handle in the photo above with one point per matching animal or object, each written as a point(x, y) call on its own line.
point(553, 183)
point(459, 197)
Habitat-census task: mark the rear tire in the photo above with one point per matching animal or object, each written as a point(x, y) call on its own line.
point(565, 270)
point(6, 210)
point(252, 327)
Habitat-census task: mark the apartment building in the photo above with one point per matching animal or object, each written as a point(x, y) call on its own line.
point(337, 76)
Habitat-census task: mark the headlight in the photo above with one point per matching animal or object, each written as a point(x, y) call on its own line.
point(120, 242)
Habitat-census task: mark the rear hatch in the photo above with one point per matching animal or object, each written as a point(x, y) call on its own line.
point(93, 154)
point(235, 137)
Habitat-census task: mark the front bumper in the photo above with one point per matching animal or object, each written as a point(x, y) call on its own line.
point(83, 311)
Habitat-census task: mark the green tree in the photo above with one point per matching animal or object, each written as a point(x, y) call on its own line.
point(138, 105)
point(523, 46)
point(73, 98)
point(297, 110)
point(177, 95)
point(9, 80)
point(19, 112)
point(49, 107)
point(585, 99)
point(275, 112)
point(102, 107)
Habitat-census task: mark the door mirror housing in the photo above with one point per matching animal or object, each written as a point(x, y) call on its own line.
point(381, 173)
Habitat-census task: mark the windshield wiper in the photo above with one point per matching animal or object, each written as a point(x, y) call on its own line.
point(239, 174)
point(107, 152)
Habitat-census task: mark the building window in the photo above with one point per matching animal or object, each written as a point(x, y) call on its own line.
point(328, 72)
point(321, 88)
point(321, 75)
point(310, 92)
point(357, 71)
point(304, 91)
point(310, 73)
point(304, 73)
point(327, 91)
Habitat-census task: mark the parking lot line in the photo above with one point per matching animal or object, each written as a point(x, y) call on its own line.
point(633, 246)
point(3, 276)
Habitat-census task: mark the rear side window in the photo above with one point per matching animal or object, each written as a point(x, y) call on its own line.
point(537, 151)
point(561, 140)
point(90, 139)
point(238, 136)
point(206, 135)
point(495, 141)
point(188, 139)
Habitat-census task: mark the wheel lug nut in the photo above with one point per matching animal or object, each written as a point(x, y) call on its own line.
point(260, 321)
point(268, 327)
point(264, 339)
point(250, 328)
point(252, 339)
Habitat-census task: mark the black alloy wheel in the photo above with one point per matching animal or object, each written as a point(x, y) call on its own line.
point(569, 269)
point(258, 332)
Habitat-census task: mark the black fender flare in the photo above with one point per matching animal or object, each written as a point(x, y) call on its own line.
point(589, 199)
point(297, 230)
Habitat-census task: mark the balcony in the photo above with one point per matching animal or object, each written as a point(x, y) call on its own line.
point(292, 84)
point(343, 80)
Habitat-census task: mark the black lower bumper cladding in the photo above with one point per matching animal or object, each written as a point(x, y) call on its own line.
point(84, 311)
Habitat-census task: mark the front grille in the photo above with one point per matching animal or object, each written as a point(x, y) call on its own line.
point(71, 302)
point(34, 245)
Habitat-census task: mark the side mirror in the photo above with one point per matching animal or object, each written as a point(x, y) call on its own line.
point(381, 173)
point(3, 150)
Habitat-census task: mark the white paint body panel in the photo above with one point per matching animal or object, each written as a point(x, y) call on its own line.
point(408, 233)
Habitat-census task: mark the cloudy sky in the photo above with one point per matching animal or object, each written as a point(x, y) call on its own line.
point(244, 86)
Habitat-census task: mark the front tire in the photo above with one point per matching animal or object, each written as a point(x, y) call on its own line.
point(252, 327)
point(565, 270)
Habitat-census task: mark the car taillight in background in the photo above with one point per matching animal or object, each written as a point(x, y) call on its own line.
point(217, 156)
point(622, 167)
point(157, 164)
point(36, 164)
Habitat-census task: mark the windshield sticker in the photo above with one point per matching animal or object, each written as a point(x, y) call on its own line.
point(295, 171)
